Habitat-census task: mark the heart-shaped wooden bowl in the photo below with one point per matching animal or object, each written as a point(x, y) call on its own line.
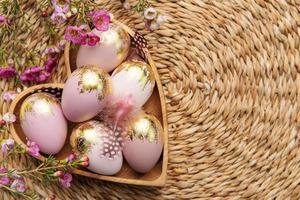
point(155, 105)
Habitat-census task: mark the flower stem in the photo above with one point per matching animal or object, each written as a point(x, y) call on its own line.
point(41, 169)
point(16, 192)
point(38, 169)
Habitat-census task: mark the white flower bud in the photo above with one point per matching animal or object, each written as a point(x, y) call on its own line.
point(9, 118)
point(69, 14)
point(150, 13)
point(74, 10)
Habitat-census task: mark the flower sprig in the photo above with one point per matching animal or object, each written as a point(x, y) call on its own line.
point(82, 35)
point(55, 14)
point(153, 19)
point(34, 74)
point(50, 170)
point(13, 20)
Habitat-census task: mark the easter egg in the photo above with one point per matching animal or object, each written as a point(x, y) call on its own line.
point(112, 49)
point(43, 122)
point(100, 144)
point(85, 92)
point(135, 79)
point(144, 143)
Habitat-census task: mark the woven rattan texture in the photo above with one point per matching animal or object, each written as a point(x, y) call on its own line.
point(231, 77)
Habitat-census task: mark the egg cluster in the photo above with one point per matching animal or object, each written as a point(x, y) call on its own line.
point(106, 80)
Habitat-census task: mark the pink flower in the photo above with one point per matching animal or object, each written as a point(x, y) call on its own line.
point(33, 70)
point(2, 19)
point(92, 39)
point(3, 170)
point(52, 50)
point(50, 64)
point(33, 149)
point(84, 161)
point(71, 157)
point(31, 74)
point(24, 78)
point(19, 185)
point(7, 72)
point(65, 180)
point(4, 181)
point(35, 74)
point(62, 8)
point(8, 96)
point(101, 20)
point(43, 77)
point(85, 164)
point(2, 123)
point(76, 35)
point(7, 145)
point(58, 18)
point(84, 158)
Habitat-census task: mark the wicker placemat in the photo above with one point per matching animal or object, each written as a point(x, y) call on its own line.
point(230, 71)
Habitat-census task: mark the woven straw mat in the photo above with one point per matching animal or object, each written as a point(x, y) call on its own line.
point(231, 77)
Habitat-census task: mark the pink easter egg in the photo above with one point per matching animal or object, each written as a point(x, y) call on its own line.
point(112, 49)
point(85, 92)
point(101, 144)
point(43, 122)
point(133, 79)
point(144, 143)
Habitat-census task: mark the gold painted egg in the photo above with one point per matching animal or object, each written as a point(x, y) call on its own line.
point(100, 144)
point(133, 79)
point(112, 49)
point(85, 92)
point(43, 122)
point(144, 143)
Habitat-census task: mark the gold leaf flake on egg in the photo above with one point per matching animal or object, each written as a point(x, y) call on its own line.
point(138, 70)
point(144, 128)
point(118, 37)
point(93, 78)
point(93, 133)
point(39, 103)
point(79, 140)
point(82, 146)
